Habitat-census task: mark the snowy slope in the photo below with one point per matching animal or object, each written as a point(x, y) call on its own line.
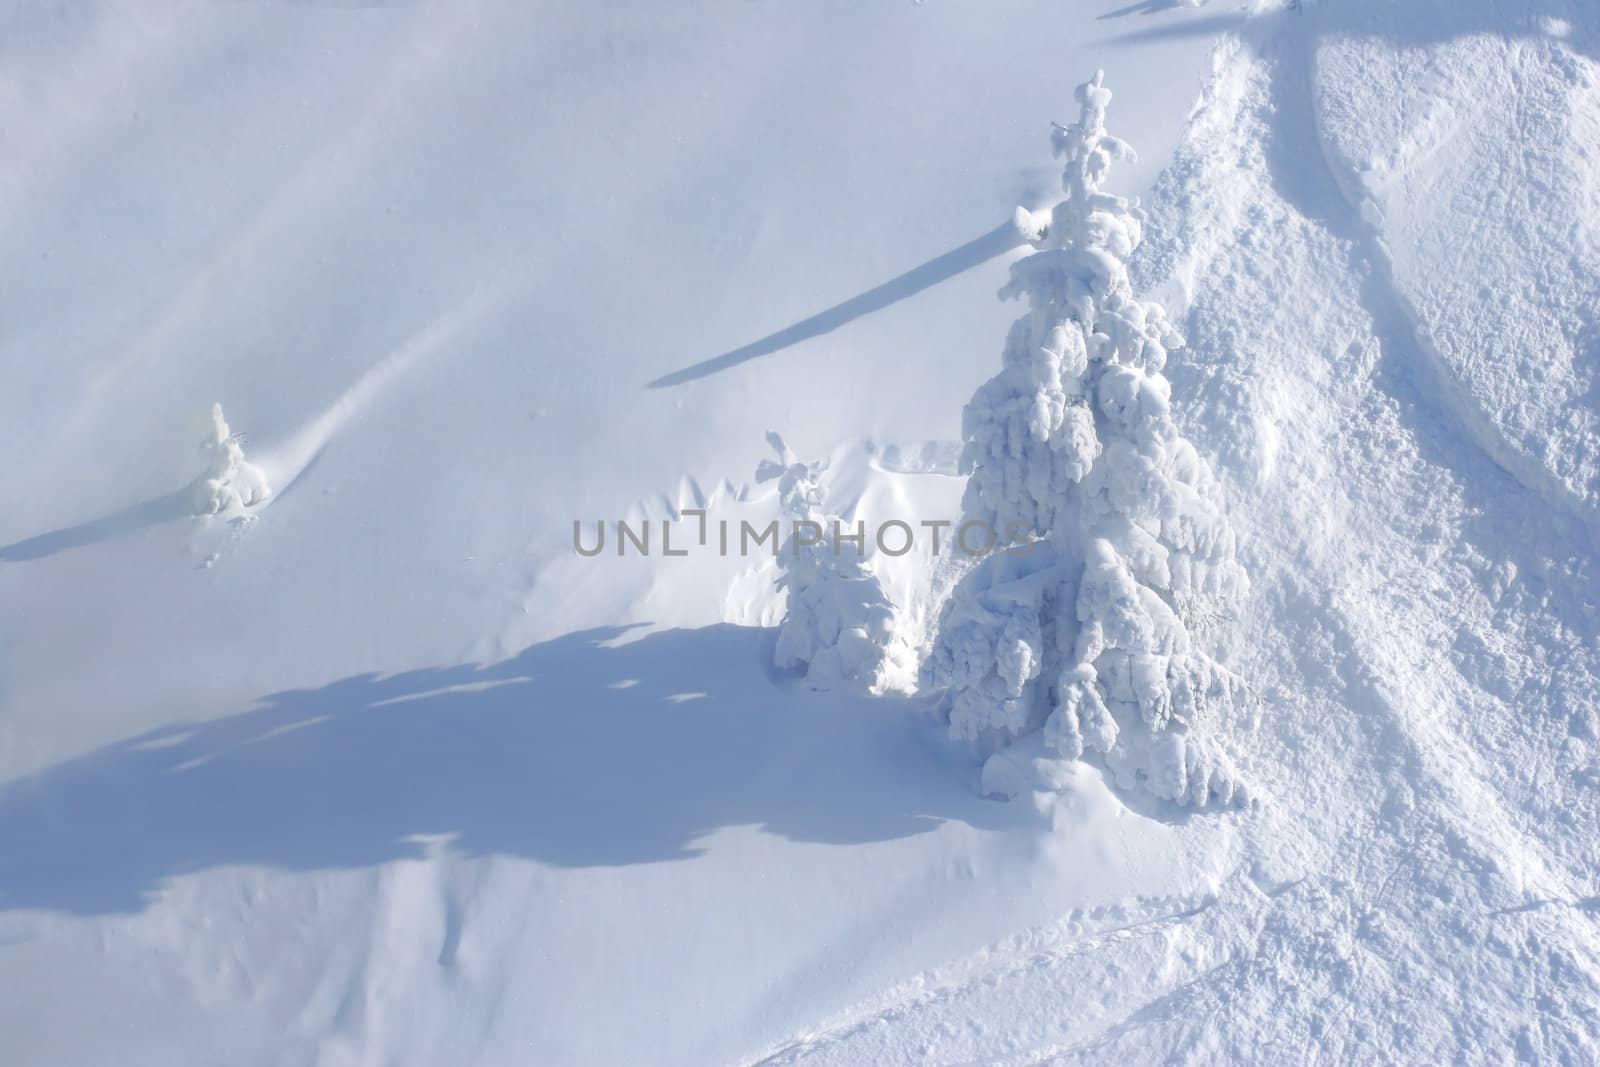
point(388, 775)
point(1425, 621)
point(428, 258)
point(1474, 159)
point(1422, 886)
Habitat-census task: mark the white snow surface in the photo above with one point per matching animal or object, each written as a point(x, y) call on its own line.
point(378, 770)
point(1473, 157)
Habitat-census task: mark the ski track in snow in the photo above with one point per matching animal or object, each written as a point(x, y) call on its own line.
point(1018, 963)
point(1445, 396)
point(1453, 807)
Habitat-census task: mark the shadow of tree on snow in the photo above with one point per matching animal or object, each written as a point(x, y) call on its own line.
point(575, 752)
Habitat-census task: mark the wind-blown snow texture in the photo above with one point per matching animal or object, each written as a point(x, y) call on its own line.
point(389, 775)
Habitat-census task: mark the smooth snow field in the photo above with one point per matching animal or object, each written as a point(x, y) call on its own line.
point(323, 743)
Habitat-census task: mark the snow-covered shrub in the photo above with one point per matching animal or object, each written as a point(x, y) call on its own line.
point(1085, 634)
point(838, 623)
point(230, 482)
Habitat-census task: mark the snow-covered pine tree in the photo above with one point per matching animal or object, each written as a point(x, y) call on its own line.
point(838, 623)
point(1115, 537)
point(230, 481)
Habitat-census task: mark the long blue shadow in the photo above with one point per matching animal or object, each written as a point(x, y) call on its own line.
point(1001, 239)
point(119, 524)
point(577, 752)
point(1141, 7)
point(1206, 26)
point(1383, 21)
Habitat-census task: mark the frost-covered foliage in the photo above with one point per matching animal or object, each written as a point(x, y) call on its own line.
point(1115, 541)
point(230, 482)
point(838, 623)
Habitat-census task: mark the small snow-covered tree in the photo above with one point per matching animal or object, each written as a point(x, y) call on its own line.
point(838, 623)
point(230, 481)
point(1114, 537)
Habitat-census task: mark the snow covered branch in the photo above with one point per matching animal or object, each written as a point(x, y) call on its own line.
point(838, 624)
point(230, 482)
point(1074, 438)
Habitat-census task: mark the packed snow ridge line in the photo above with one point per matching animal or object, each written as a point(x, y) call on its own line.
point(1081, 634)
point(230, 483)
point(838, 624)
